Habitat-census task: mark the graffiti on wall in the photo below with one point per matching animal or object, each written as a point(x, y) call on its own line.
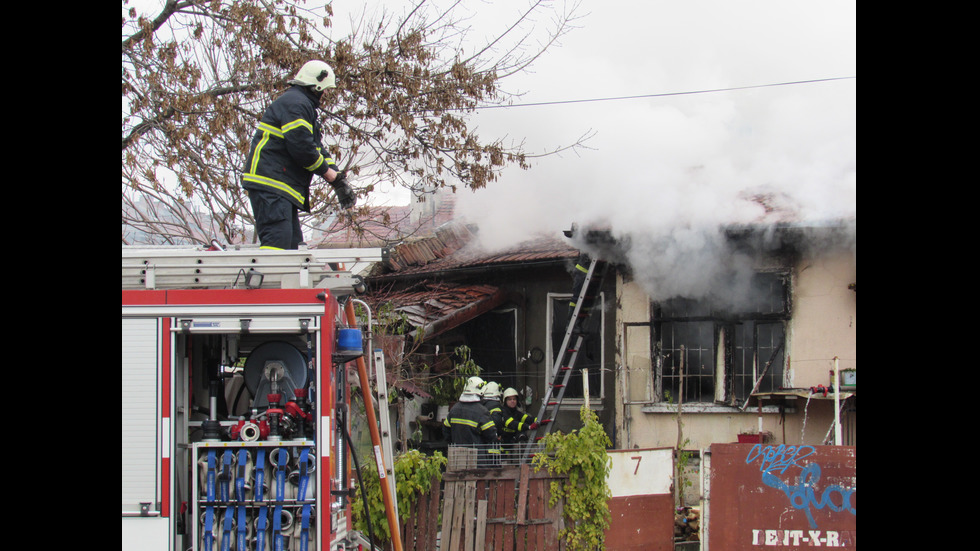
point(807, 493)
point(785, 497)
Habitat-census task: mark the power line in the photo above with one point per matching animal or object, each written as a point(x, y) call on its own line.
point(711, 91)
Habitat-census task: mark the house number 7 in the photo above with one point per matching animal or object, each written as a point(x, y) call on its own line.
point(638, 458)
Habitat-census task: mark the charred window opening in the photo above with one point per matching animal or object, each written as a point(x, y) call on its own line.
point(590, 355)
point(722, 345)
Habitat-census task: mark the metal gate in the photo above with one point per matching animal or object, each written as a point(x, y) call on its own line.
point(503, 509)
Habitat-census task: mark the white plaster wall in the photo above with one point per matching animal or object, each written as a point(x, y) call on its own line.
point(824, 323)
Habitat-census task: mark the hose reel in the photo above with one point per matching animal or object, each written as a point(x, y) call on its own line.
point(274, 367)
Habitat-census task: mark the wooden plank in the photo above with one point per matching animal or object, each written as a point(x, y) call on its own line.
point(509, 513)
point(481, 525)
point(497, 519)
point(408, 529)
point(485, 492)
point(522, 495)
point(520, 531)
point(420, 533)
point(533, 514)
point(503, 502)
point(498, 508)
point(456, 528)
point(469, 523)
point(447, 513)
point(553, 529)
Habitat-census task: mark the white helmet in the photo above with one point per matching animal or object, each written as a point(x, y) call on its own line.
point(509, 392)
point(317, 74)
point(491, 390)
point(472, 390)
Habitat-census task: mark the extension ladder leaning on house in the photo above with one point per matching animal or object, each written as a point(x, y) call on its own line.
point(580, 324)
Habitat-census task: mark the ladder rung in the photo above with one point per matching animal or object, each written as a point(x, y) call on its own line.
point(557, 386)
point(564, 368)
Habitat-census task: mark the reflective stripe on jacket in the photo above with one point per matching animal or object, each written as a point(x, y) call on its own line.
point(515, 421)
point(287, 149)
point(470, 424)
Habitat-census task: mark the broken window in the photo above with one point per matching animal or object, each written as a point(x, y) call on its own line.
point(722, 347)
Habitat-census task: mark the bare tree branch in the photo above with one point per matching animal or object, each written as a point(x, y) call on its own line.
point(197, 76)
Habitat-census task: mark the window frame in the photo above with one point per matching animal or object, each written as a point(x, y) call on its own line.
point(595, 399)
point(723, 325)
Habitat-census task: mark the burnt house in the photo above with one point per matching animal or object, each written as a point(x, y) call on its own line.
point(509, 308)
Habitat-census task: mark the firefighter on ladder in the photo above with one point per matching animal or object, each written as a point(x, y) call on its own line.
point(286, 152)
point(581, 271)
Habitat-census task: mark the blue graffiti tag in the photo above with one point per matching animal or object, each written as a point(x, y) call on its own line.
point(804, 494)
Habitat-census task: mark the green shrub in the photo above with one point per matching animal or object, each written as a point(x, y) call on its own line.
point(581, 455)
point(414, 472)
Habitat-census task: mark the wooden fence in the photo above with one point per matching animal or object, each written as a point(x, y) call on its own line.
point(503, 509)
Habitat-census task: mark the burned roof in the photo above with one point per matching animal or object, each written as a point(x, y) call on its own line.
point(434, 308)
point(454, 247)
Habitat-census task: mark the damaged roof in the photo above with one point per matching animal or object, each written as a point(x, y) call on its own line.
point(453, 247)
point(436, 307)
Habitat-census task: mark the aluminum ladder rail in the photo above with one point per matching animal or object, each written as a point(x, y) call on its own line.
point(381, 379)
point(567, 356)
point(187, 267)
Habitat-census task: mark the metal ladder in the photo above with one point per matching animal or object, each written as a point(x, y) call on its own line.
point(187, 267)
point(579, 324)
point(385, 422)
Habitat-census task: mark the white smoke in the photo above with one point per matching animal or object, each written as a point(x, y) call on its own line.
point(670, 173)
point(674, 177)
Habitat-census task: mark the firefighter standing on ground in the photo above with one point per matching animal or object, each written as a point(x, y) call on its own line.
point(469, 424)
point(491, 400)
point(516, 422)
point(286, 152)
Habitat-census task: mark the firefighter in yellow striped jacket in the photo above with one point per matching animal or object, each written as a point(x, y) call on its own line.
point(469, 424)
point(516, 422)
point(285, 154)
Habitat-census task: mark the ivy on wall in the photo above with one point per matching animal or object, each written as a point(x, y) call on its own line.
point(581, 455)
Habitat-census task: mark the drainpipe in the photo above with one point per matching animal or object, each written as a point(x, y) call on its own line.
point(837, 435)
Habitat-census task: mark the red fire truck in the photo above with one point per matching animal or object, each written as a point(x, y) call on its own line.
point(234, 406)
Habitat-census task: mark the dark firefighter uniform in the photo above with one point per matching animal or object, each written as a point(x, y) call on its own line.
point(493, 407)
point(286, 152)
point(469, 424)
point(497, 416)
point(516, 422)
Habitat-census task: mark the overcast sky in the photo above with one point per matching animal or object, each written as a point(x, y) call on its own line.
point(676, 166)
point(677, 160)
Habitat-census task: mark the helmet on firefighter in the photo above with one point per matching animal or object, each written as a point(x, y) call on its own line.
point(491, 390)
point(509, 392)
point(317, 74)
point(473, 390)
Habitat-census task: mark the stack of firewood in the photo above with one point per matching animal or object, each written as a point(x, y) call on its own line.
point(687, 522)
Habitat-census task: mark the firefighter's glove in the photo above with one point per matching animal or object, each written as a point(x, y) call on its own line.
point(533, 426)
point(345, 195)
